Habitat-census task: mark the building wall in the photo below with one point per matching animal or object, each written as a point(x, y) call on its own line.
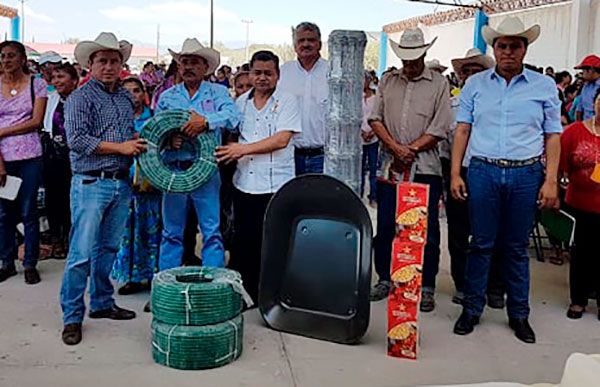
point(551, 49)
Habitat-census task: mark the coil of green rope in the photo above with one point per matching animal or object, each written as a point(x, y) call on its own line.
point(157, 131)
point(197, 347)
point(196, 295)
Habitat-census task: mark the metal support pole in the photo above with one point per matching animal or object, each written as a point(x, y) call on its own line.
point(383, 45)
point(481, 19)
point(212, 23)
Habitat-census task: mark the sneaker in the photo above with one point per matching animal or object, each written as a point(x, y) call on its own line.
point(6, 273)
point(32, 276)
point(458, 298)
point(380, 291)
point(427, 302)
point(71, 334)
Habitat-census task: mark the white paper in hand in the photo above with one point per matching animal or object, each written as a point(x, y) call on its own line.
point(11, 188)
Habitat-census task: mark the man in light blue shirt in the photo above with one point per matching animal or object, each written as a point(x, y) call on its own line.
point(211, 109)
point(509, 117)
point(590, 67)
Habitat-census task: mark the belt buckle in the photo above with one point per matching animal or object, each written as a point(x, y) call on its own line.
point(503, 163)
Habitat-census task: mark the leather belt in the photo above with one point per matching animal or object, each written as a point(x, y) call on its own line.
point(115, 175)
point(309, 151)
point(503, 163)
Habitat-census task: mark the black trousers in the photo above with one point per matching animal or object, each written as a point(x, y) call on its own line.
point(246, 250)
point(189, 239)
point(459, 230)
point(584, 274)
point(57, 182)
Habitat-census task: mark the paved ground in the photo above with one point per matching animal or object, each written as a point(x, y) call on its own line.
point(115, 353)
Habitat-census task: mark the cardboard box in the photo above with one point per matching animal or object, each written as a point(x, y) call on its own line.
point(408, 251)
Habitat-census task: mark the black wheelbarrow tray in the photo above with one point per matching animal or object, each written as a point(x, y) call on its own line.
point(316, 261)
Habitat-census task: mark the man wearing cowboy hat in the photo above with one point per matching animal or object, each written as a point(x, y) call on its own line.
point(410, 115)
point(590, 67)
point(508, 116)
point(100, 135)
point(212, 109)
point(457, 211)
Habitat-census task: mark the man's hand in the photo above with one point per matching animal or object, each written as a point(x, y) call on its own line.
point(367, 136)
point(177, 141)
point(132, 147)
point(458, 188)
point(3, 173)
point(196, 125)
point(230, 152)
point(548, 196)
point(404, 153)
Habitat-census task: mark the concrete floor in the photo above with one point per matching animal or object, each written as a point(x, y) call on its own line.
point(115, 353)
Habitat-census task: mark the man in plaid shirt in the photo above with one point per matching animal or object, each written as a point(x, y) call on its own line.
point(100, 134)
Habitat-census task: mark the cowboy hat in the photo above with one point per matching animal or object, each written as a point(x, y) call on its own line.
point(412, 44)
point(192, 46)
point(50, 57)
point(104, 42)
point(436, 65)
point(511, 26)
point(472, 57)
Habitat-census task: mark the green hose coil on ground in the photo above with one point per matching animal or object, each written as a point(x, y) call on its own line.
point(196, 295)
point(197, 347)
point(156, 132)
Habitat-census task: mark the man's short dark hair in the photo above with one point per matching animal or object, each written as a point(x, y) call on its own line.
point(562, 76)
point(135, 80)
point(265, 56)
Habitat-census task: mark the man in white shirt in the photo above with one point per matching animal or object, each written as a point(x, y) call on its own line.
point(265, 161)
point(306, 78)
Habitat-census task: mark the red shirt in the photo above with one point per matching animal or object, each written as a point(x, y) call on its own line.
point(579, 153)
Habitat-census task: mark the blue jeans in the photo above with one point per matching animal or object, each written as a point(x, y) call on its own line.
point(502, 202)
point(386, 230)
point(99, 210)
point(309, 164)
point(23, 208)
point(175, 208)
point(370, 156)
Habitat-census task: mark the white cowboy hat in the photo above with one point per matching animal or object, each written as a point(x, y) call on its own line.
point(435, 64)
point(511, 26)
point(412, 44)
point(50, 57)
point(475, 57)
point(104, 41)
point(192, 46)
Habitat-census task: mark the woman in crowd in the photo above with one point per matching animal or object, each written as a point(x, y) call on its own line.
point(241, 83)
point(136, 260)
point(22, 106)
point(370, 142)
point(222, 78)
point(57, 168)
point(172, 78)
point(150, 77)
point(580, 161)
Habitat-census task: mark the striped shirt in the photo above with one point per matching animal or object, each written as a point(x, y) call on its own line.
point(94, 115)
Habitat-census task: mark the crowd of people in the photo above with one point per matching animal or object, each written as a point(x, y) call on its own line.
point(490, 147)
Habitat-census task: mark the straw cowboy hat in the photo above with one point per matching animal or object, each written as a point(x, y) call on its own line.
point(104, 41)
point(192, 46)
point(473, 57)
point(511, 26)
point(435, 64)
point(412, 44)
